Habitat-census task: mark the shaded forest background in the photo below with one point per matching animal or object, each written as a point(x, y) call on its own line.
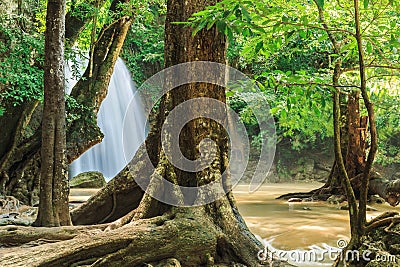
point(313, 70)
point(302, 113)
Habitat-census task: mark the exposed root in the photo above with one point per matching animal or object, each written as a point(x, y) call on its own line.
point(390, 220)
point(193, 242)
point(19, 235)
point(384, 215)
point(316, 194)
point(121, 221)
point(118, 198)
point(114, 208)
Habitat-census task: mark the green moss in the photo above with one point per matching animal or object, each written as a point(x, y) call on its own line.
point(88, 180)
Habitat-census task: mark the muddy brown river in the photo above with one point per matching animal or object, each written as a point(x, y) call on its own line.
point(296, 226)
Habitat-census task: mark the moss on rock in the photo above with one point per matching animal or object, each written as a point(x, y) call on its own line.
point(88, 180)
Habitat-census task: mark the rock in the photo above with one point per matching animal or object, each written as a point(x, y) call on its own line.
point(295, 199)
point(309, 166)
point(11, 215)
point(299, 177)
point(377, 199)
point(88, 180)
point(9, 203)
point(306, 208)
point(169, 263)
point(25, 216)
point(336, 199)
point(15, 221)
point(29, 212)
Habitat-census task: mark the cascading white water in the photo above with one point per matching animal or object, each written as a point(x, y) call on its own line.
point(108, 157)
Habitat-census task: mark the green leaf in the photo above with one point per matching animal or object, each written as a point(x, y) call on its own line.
point(221, 25)
point(322, 38)
point(261, 86)
point(210, 24)
point(285, 18)
point(229, 93)
point(246, 32)
point(246, 14)
point(200, 13)
point(229, 33)
point(366, 2)
point(283, 114)
point(199, 27)
point(247, 49)
point(226, 14)
point(303, 34)
point(317, 110)
point(304, 19)
point(320, 3)
point(369, 47)
point(259, 46)
point(274, 110)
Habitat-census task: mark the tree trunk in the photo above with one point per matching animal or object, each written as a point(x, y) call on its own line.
point(189, 237)
point(356, 130)
point(353, 137)
point(180, 46)
point(91, 90)
point(19, 149)
point(197, 234)
point(54, 189)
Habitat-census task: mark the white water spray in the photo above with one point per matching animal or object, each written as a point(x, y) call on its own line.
point(108, 157)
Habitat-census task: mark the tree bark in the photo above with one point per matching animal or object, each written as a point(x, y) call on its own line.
point(344, 178)
point(125, 241)
point(356, 131)
point(91, 90)
point(54, 189)
point(19, 150)
point(371, 117)
point(189, 236)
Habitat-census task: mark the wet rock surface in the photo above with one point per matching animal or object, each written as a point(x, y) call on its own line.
point(21, 215)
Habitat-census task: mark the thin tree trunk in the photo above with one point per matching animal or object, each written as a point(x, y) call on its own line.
point(371, 116)
point(353, 211)
point(356, 131)
point(18, 155)
point(54, 190)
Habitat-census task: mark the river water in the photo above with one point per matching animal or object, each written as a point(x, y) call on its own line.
point(283, 226)
point(291, 225)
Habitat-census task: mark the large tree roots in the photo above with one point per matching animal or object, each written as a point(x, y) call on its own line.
point(389, 190)
point(380, 244)
point(187, 236)
point(119, 197)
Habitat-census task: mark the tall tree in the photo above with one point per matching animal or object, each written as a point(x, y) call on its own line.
point(54, 189)
point(199, 235)
point(19, 148)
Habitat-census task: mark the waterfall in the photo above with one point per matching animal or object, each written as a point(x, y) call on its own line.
point(112, 154)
